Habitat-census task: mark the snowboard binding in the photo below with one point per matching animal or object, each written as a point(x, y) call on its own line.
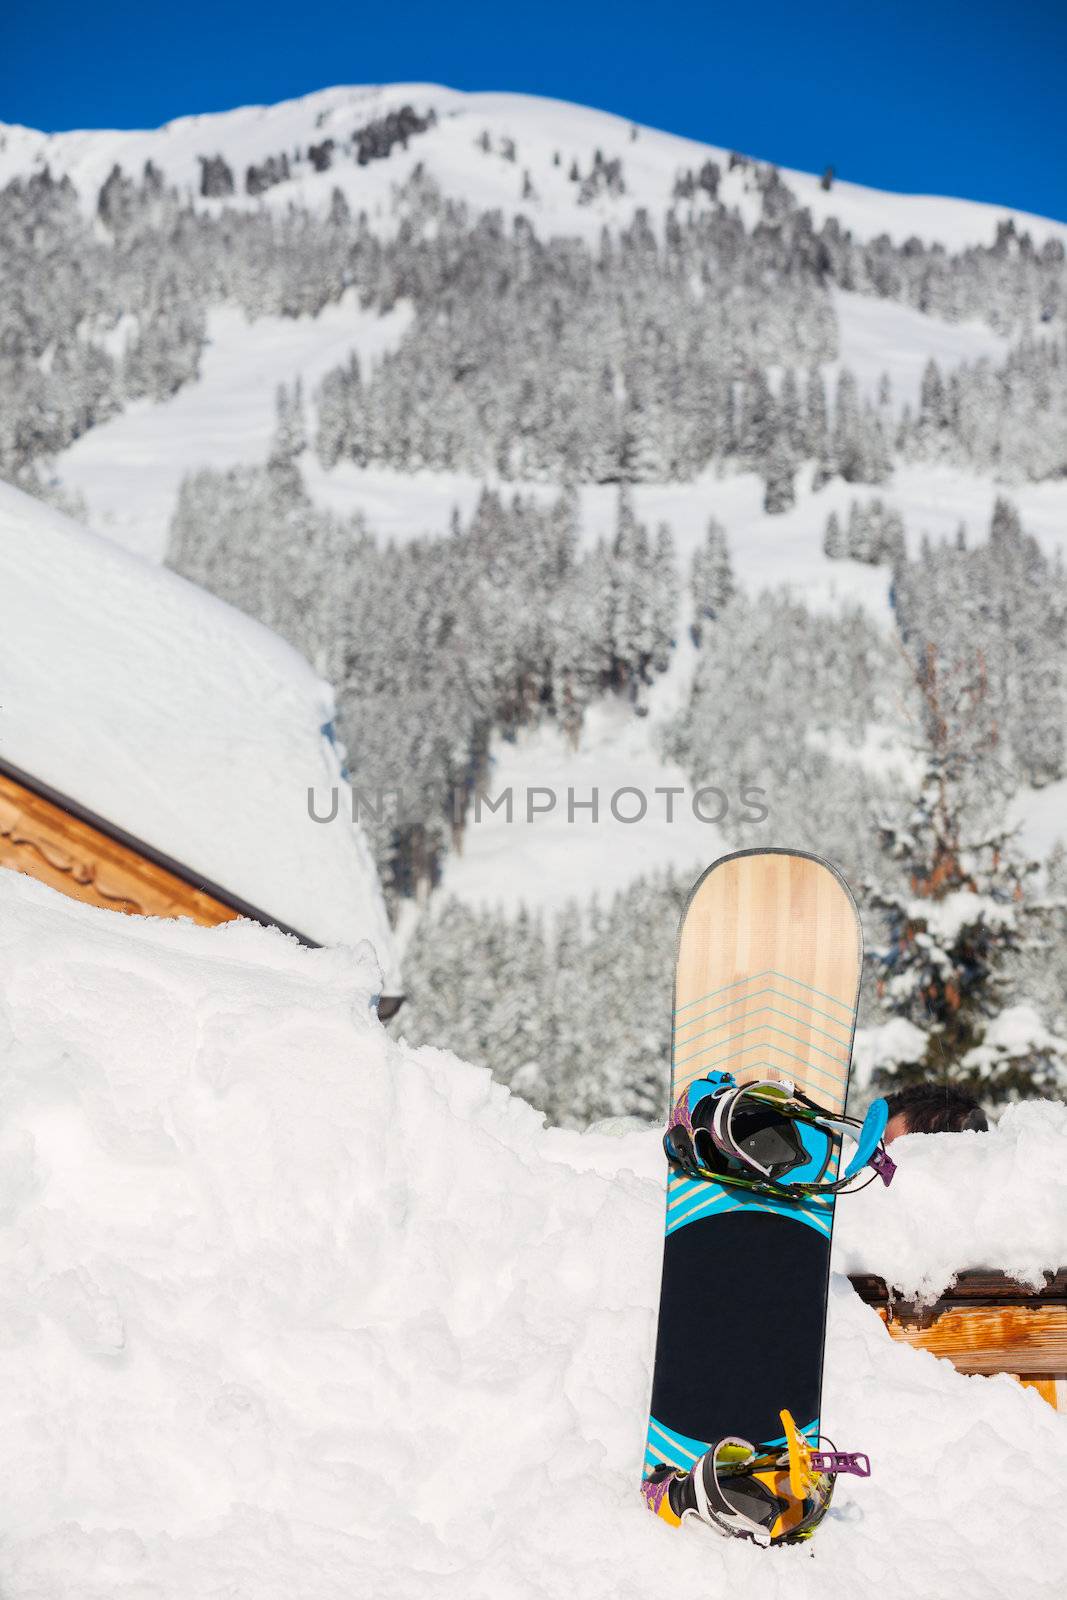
point(769, 1498)
point(767, 1136)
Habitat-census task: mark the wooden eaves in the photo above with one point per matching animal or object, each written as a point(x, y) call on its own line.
point(53, 838)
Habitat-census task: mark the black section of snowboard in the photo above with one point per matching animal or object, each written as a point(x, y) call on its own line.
point(741, 1324)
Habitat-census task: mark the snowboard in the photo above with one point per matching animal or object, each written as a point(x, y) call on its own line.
point(766, 987)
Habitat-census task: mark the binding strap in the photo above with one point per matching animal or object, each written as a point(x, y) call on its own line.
point(712, 1505)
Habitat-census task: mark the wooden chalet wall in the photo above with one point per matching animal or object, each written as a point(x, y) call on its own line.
point(986, 1323)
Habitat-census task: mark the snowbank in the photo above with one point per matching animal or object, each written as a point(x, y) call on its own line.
point(960, 1200)
point(179, 719)
point(289, 1309)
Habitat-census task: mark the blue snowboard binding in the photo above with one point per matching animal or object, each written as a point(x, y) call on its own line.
point(767, 1136)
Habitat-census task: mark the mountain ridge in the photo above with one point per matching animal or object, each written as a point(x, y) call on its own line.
point(537, 129)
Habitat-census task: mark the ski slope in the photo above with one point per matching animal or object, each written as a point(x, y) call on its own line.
point(127, 472)
point(553, 848)
point(250, 1346)
point(881, 338)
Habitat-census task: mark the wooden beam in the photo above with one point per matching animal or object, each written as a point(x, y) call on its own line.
point(990, 1339)
point(976, 1284)
point(985, 1323)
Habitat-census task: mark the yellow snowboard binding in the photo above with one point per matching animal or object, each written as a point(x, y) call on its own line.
point(776, 1497)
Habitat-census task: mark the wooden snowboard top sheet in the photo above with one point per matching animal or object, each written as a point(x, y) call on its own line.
point(767, 976)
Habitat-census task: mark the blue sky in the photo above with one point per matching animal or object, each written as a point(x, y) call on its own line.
point(946, 97)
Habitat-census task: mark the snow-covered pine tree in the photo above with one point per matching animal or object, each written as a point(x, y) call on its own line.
point(116, 204)
point(759, 419)
point(859, 531)
point(892, 547)
point(665, 593)
point(171, 333)
point(815, 418)
point(845, 444)
point(289, 438)
point(779, 475)
point(877, 458)
point(931, 428)
point(634, 637)
point(1007, 593)
point(216, 178)
point(875, 534)
point(342, 427)
point(790, 415)
point(565, 1002)
point(835, 541)
point(578, 1021)
point(961, 909)
point(712, 579)
point(642, 601)
point(859, 447)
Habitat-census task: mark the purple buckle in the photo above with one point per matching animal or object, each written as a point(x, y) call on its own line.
point(884, 1165)
point(853, 1461)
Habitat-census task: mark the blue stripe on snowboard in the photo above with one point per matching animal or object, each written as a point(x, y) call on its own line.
point(761, 1044)
point(802, 1012)
point(692, 1199)
point(800, 1018)
point(768, 972)
point(678, 1450)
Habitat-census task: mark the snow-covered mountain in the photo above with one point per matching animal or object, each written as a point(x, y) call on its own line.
point(477, 149)
point(308, 354)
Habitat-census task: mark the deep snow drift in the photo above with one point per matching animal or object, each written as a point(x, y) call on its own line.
point(289, 1309)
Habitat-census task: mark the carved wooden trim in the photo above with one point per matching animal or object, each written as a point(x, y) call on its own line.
point(39, 838)
point(48, 836)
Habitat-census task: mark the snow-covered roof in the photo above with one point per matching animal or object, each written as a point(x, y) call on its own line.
point(449, 155)
point(179, 720)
